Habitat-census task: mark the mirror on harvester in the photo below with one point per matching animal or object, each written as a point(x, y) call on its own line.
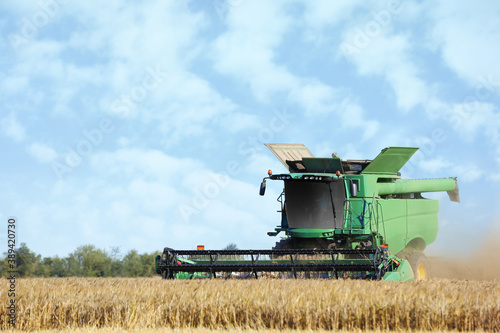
point(262, 187)
point(354, 187)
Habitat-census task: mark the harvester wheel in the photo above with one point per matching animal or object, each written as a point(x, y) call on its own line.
point(284, 244)
point(420, 265)
point(301, 243)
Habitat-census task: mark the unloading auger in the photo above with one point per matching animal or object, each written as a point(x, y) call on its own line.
point(340, 219)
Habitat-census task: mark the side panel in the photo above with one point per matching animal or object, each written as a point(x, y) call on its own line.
point(392, 223)
point(422, 219)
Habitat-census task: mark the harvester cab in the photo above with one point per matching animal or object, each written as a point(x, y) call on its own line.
point(339, 218)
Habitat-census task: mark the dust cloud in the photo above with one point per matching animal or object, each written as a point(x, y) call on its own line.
point(481, 263)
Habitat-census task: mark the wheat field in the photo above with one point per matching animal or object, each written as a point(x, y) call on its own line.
point(348, 305)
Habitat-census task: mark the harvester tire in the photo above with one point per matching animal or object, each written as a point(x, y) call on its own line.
point(420, 265)
point(284, 244)
point(303, 243)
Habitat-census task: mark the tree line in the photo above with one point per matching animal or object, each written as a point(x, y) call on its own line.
point(86, 260)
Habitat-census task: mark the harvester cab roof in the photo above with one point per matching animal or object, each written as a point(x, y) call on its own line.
point(298, 159)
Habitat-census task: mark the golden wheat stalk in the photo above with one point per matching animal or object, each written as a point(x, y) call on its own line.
point(147, 303)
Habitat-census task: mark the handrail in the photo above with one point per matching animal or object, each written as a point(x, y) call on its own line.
point(367, 218)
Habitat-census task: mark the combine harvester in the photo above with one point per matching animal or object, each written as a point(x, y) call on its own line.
point(340, 219)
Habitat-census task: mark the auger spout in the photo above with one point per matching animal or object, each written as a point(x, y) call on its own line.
point(404, 186)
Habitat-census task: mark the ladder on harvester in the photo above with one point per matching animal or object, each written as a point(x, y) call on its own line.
point(369, 216)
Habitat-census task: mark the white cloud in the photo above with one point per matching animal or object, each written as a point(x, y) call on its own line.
point(188, 107)
point(140, 163)
point(434, 165)
point(236, 122)
point(44, 61)
point(161, 35)
point(130, 199)
point(351, 116)
point(14, 84)
point(321, 13)
point(470, 118)
point(468, 172)
point(247, 49)
point(258, 164)
point(495, 175)
point(76, 68)
point(467, 35)
point(12, 128)
point(316, 97)
point(133, 198)
point(389, 56)
point(156, 32)
point(324, 14)
point(42, 153)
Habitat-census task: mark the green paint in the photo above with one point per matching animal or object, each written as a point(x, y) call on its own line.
point(403, 273)
point(310, 233)
point(390, 160)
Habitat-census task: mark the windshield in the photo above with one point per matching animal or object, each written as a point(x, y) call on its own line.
point(309, 204)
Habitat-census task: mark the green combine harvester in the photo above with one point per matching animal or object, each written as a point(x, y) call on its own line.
point(348, 219)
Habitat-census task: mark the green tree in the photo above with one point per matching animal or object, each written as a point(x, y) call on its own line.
point(44, 267)
point(73, 265)
point(231, 246)
point(49, 266)
point(3, 265)
point(27, 261)
point(132, 265)
point(89, 261)
point(148, 264)
point(86, 260)
point(116, 262)
point(58, 268)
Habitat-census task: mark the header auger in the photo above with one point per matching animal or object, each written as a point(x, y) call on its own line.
point(339, 218)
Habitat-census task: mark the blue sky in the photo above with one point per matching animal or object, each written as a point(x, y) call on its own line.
point(141, 125)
